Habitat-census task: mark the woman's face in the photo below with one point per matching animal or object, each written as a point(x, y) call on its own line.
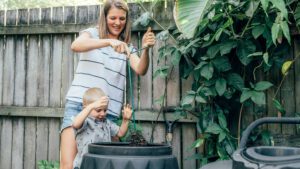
point(116, 21)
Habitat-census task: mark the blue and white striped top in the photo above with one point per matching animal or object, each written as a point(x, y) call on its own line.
point(103, 68)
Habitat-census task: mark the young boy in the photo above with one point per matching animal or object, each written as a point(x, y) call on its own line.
point(91, 124)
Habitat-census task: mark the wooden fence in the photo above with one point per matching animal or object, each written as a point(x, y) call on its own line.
point(36, 70)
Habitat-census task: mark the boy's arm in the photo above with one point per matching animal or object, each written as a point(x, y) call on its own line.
point(123, 128)
point(80, 118)
point(127, 112)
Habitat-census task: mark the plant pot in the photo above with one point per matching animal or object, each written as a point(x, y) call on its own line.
point(120, 155)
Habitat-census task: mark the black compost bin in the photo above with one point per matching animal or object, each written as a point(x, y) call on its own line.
point(122, 155)
point(262, 157)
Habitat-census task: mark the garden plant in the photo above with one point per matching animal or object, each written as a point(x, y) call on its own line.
point(228, 48)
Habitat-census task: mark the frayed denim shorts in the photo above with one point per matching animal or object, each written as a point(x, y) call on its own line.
point(72, 109)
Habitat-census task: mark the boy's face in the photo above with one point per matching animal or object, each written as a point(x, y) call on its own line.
point(98, 113)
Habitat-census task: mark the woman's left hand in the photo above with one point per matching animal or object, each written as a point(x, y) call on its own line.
point(148, 39)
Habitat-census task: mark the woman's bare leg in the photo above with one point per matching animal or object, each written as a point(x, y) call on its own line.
point(68, 148)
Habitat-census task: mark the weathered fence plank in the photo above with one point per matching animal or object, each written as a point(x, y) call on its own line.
point(146, 80)
point(297, 77)
point(57, 15)
point(55, 71)
point(176, 144)
point(44, 70)
point(67, 66)
point(6, 143)
point(20, 81)
point(188, 137)
point(9, 71)
point(11, 17)
point(82, 14)
point(23, 17)
point(32, 71)
point(288, 98)
point(159, 84)
point(46, 16)
point(17, 143)
point(94, 12)
point(1, 66)
point(42, 133)
point(53, 147)
point(30, 142)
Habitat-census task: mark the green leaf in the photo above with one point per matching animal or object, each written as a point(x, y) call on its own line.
point(213, 51)
point(227, 46)
point(218, 34)
point(221, 137)
point(286, 31)
point(176, 56)
point(213, 128)
point(252, 8)
point(264, 4)
point(257, 31)
point(246, 94)
point(255, 54)
point(189, 98)
point(222, 64)
point(262, 85)
point(200, 99)
point(266, 58)
point(187, 22)
point(222, 120)
point(236, 81)
point(258, 97)
point(280, 5)
point(220, 86)
point(297, 15)
point(244, 49)
point(161, 72)
point(285, 67)
point(275, 32)
point(200, 65)
point(278, 106)
point(197, 143)
point(207, 71)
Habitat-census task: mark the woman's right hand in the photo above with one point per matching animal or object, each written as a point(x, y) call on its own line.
point(119, 46)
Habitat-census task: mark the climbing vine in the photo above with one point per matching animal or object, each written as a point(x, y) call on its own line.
point(231, 43)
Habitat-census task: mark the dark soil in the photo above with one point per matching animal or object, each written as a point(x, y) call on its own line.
point(136, 139)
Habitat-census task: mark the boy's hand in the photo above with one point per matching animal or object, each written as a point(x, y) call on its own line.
point(127, 112)
point(102, 103)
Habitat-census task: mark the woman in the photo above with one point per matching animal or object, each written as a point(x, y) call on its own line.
point(102, 64)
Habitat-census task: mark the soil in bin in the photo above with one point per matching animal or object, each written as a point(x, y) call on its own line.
point(136, 139)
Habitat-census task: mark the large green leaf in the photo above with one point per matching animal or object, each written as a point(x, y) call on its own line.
point(188, 14)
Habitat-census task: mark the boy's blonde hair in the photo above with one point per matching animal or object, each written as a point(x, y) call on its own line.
point(91, 95)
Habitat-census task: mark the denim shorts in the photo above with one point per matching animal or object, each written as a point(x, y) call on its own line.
point(73, 108)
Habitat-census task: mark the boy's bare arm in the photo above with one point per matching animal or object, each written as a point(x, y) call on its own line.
point(80, 118)
point(127, 113)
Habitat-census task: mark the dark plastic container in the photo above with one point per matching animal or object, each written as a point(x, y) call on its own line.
point(124, 156)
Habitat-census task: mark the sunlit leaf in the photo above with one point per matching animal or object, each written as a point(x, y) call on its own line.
point(285, 67)
point(188, 14)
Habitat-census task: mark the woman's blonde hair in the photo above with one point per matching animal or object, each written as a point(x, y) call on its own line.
point(103, 30)
point(91, 95)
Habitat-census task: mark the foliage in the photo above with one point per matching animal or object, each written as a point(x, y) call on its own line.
point(44, 164)
point(230, 45)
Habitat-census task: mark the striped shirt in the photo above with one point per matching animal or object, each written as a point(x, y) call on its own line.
point(103, 68)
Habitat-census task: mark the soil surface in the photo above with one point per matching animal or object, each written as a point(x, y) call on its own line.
point(136, 139)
